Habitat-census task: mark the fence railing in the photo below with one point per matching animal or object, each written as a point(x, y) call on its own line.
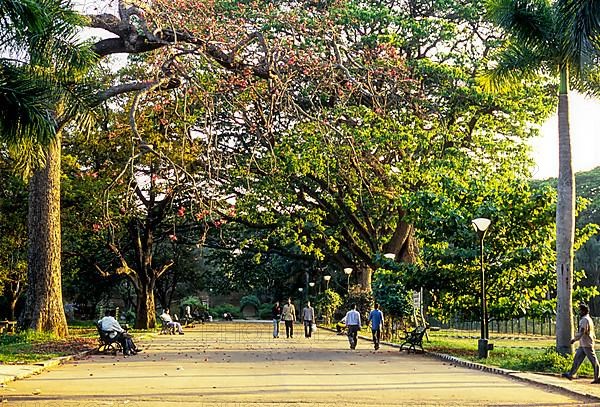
point(519, 326)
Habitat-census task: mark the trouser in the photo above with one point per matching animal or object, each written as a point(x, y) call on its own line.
point(307, 328)
point(275, 328)
point(126, 342)
point(353, 335)
point(177, 326)
point(289, 328)
point(579, 357)
point(376, 337)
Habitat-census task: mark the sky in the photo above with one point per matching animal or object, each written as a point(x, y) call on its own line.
point(585, 139)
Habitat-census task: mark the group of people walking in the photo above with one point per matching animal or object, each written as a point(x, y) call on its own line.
point(352, 322)
point(287, 314)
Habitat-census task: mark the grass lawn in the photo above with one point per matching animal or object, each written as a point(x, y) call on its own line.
point(515, 352)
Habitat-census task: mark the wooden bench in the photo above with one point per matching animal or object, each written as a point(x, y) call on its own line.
point(8, 326)
point(414, 339)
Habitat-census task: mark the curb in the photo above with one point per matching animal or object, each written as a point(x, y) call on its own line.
point(510, 373)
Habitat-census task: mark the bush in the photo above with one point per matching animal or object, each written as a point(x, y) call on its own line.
point(363, 301)
point(251, 300)
point(389, 291)
point(218, 311)
point(264, 312)
point(327, 304)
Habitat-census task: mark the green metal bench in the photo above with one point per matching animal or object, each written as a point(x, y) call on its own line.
point(414, 339)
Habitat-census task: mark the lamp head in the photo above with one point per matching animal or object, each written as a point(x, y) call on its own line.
point(390, 256)
point(300, 289)
point(312, 284)
point(481, 224)
point(348, 271)
point(327, 277)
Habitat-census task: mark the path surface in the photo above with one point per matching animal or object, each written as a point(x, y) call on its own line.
point(240, 364)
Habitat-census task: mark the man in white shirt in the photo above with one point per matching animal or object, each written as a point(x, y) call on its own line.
point(586, 337)
point(308, 317)
point(167, 318)
point(353, 326)
point(110, 325)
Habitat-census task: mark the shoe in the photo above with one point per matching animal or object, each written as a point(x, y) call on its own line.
point(138, 350)
point(567, 376)
point(181, 333)
point(596, 381)
point(376, 347)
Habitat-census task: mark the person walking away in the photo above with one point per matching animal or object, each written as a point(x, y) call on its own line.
point(353, 326)
point(376, 320)
point(276, 315)
point(586, 337)
point(308, 318)
point(288, 314)
point(167, 318)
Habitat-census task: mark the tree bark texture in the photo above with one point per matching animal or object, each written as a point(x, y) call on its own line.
point(145, 309)
point(565, 228)
point(44, 309)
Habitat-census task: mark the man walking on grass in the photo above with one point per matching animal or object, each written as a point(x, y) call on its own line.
point(586, 338)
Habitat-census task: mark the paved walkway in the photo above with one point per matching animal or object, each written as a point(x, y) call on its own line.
point(240, 364)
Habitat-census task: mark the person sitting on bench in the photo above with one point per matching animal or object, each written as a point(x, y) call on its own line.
point(340, 327)
point(167, 318)
point(111, 325)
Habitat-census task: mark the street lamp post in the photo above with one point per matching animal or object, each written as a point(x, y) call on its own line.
point(327, 278)
point(300, 289)
point(481, 225)
point(348, 271)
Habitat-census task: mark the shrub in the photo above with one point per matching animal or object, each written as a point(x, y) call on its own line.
point(250, 300)
point(327, 304)
point(363, 301)
point(219, 310)
point(264, 312)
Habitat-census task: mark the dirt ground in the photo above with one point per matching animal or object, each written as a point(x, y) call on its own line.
point(240, 364)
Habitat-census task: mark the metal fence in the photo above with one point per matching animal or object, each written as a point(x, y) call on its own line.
point(520, 326)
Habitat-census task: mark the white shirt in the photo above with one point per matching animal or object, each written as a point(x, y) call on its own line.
point(109, 324)
point(166, 317)
point(352, 317)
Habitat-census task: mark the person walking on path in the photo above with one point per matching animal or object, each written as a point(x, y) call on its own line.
point(353, 326)
point(586, 337)
point(288, 314)
point(308, 317)
point(276, 315)
point(376, 320)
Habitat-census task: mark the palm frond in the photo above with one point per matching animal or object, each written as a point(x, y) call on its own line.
point(26, 103)
point(510, 66)
point(531, 22)
point(579, 23)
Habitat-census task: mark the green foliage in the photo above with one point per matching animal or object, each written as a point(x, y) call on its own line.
point(327, 304)
point(363, 301)
point(391, 293)
point(251, 300)
point(218, 311)
point(264, 312)
point(192, 301)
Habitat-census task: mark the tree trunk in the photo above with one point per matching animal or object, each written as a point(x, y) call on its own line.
point(145, 310)
point(44, 309)
point(364, 278)
point(565, 224)
point(13, 296)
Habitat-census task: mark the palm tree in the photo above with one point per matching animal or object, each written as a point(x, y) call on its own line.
point(39, 87)
point(551, 38)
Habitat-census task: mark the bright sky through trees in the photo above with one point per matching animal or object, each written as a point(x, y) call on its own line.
point(585, 139)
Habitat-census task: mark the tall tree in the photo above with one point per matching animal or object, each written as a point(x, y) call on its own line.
point(39, 87)
point(556, 39)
